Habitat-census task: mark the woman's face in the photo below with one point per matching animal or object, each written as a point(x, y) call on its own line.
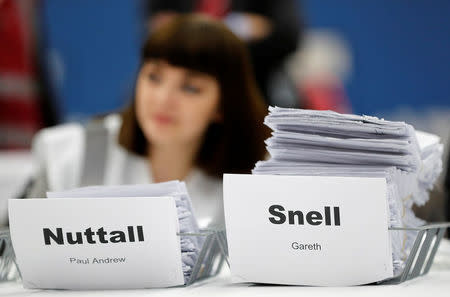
point(174, 105)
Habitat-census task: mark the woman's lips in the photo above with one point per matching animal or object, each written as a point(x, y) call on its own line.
point(163, 119)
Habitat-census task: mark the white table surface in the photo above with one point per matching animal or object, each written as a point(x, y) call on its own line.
point(435, 283)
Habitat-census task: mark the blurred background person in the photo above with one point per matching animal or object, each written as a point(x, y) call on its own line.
point(320, 68)
point(196, 114)
point(272, 31)
point(25, 102)
point(24, 107)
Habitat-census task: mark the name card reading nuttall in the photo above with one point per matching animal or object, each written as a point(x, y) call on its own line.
point(307, 230)
point(96, 243)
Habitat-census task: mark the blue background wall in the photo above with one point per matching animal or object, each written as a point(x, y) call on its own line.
point(92, 48)
point(401, 51)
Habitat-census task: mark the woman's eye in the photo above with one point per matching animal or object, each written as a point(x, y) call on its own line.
point(154, 77)
point(191, 89)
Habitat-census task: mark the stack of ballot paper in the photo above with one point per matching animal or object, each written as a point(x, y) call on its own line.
point(190, 245)
point(431, 150)
point(326, 143)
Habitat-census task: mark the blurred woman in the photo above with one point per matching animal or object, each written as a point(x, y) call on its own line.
point(196, 114)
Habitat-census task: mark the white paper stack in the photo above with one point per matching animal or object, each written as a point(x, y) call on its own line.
point(190, 245)
point(431, 151)
point(326, 143)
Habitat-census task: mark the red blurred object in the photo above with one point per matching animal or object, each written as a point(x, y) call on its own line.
point(19, 111)
point(324, 96)
point(215, 8)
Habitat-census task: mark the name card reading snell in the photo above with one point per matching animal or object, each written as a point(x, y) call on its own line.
point(97, 243)
point(313, 218)
point(307, 230)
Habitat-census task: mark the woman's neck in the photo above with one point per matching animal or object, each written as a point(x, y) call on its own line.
point(170, 162)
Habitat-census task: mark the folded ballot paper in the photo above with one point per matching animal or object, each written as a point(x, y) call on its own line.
point(127, 236)
point(326, 143)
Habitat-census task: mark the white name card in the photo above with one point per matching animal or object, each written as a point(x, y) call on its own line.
point(307, 230)
point(96, 243)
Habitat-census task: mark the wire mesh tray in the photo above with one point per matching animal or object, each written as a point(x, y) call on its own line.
point(214, 254)
point(422, 253)
point(209, 262)
point(210, 259)
point(8, 267)
point(418, 261)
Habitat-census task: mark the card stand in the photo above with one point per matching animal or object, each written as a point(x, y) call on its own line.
point(221, 236)
point(210, 258)
point(422, 253)
point(418, 262)
point(209, 262)
point(8, 270)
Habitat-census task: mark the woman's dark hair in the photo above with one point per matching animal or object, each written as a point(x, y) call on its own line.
point(202, 44)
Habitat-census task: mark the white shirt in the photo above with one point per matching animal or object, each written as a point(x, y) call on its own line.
point(122, 167)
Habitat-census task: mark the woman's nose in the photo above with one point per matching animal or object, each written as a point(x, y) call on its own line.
point(165, 94)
